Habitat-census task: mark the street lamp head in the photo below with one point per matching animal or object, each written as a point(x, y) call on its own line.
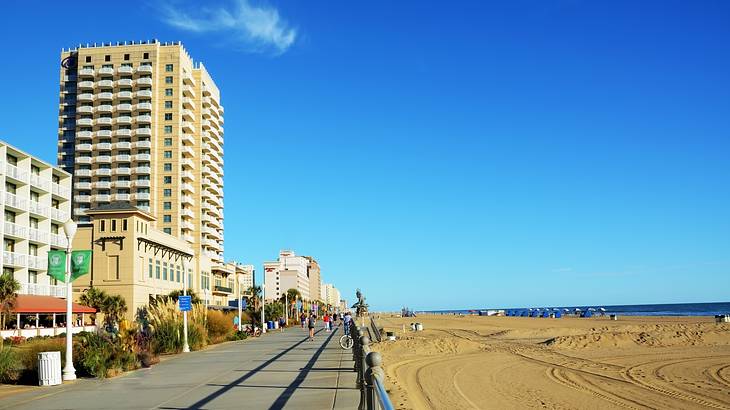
point(69, 228)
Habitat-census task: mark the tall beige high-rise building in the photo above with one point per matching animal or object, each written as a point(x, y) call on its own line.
point(142, 122)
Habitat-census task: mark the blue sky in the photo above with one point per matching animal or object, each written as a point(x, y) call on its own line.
point(445, 155)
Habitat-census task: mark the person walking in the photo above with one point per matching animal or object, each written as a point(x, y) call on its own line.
point(281, 324)
point(326, 320)
point(310, 325)
point(303, 318)
point(347, 320)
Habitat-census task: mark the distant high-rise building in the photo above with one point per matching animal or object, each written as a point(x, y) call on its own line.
point(141, 122)
point(289, 271)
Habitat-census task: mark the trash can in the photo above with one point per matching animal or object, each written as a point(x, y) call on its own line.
point(269, 324)
point(419, 327)
point(276, 324)
point(49, 368)
point(613, 317)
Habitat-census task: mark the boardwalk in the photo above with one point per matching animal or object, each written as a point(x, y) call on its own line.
point(278, 370)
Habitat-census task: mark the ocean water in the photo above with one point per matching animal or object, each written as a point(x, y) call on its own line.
point(674, 309)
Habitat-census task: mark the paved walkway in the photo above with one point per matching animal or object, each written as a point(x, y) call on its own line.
point(278, 370)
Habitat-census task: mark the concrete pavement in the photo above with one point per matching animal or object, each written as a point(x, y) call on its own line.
point(278, 370)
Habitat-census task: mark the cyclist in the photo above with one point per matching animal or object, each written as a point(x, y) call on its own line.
point(347, 319)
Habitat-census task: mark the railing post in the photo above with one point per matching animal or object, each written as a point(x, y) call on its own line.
point(364, 342)
point(373, 361)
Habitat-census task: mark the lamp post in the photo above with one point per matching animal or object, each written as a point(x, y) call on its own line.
point(69, 373)
point(263, 303)
point(186, 347)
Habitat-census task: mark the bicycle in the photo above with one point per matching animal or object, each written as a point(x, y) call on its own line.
point(252, 330)
point(346, 340)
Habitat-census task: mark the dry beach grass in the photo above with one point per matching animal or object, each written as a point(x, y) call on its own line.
point(474, 362)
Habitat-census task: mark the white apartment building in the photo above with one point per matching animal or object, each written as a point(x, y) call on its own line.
point(36, 202)
point(289, 271)
point(330, 295)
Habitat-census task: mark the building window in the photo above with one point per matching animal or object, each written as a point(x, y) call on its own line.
point(146, 56)
point(167, 206)
point(168, 154)
point(88, 59)
point(126, 57)
point(168, 179)
point(102, 226)
point(168, 104)
point(168, 167)
point(167, 192)
point(167, 231)
point(168, 68)
point(107, 58)
point(157, 269)
point(168, 142)
point(168, 129)
point(168, 92)
point(164, 270)
point(178, 274)
point(168, 116)
point(32, 276)
point(168, 80)
point(114, 225)
point(124, 224)
point(167, 218)
point(150, 268)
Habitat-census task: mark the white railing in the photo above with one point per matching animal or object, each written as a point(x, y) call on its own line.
point(37, 235)
point(14, 230)
point(45, 331)
point(58, 291)
point(15, 202)
point(39, 209)
point(42, 183)
point(58, 240)
point(14, 259)
point(37, 262)
point(14, 172)
point(59, 190)
point(59, 215)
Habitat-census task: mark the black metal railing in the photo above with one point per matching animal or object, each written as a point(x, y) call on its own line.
point(370, 374)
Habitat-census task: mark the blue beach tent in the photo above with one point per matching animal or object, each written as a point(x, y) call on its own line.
point(534, 313)
point(558, 314)
point(587, 313)
point(545, 313)
point(525, 313)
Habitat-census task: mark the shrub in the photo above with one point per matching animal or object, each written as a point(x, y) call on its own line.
point(165, 322)
point(238, 335)
point(220, 326)
point(9, 365)
point(101, 356)
point(27, 354)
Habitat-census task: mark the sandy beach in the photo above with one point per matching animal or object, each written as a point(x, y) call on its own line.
point(473, 362)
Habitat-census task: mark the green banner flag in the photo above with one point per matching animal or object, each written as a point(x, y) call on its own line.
point(57, 265)
point(80, 263)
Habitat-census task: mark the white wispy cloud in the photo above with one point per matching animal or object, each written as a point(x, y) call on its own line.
point(256, 28)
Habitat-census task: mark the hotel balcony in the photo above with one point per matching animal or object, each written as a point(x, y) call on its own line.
point(186, 225)
point(15, 230)
point(104, 121)
point(38, 209)
point(124, 144)
point(188, 103)
point(105, 96)
point(143, 144)
point(83, 147)
point(58, 291)
point(85, 109)
point(144, 81)
point(80, 211)
point(85, 97)
point(125, 119)
point(143, 170)
point(106, 71)
point(187, 199)
point(103, 146)
point(104, 133)
point(59, 215)
point(59, 190)
point(82, 185)
point(222, 290)
point(122, 184)
point(185, 187)
point(82, 198)
point(58, 240)
point(103, 159)
point(124, 95)
point(83, 172)
point(188, 126)
point(144, 106)
point(206, 125)
point(146, 69)
point(142, 157)
point(187, 212)
point(105, 84)
point(121, 197)
point(102, 198)
point(15, 259)
point(141, 196)
point(124, 107)
point(86, 72)
point(125, 70)
point(36, 235)
point(106, 108)
point(84, 160)
point(188, 115)
point(188, 92)
point(123, 132)
point(187, 150)
point(143, 131)
point(143, 119)
point(84, 134)
point(187, 175)
point(143, 94)
point(37, 262)
point(142, 183)
point(123, 158)
point(102, 184)
point(88, 122)
point(125, 82)
point(186, 163)
point(123, 171)
point(145, 208)
point(85, 85)
point(104, 172)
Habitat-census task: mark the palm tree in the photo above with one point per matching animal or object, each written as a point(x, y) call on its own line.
point(255, 296)
point(9, 288)
point(95, 298)
point(114, 309)
point(291, 296)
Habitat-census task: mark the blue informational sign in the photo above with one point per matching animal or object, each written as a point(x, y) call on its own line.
point(243, 304)
point(184, 303)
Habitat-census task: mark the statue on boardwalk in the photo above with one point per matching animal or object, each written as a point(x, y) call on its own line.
point(361, 308)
